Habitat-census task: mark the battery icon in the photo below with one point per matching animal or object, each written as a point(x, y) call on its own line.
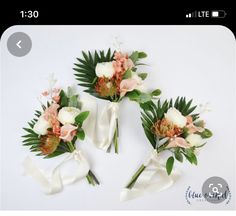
point(218, 14)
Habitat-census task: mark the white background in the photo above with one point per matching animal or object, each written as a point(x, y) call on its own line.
point(193, 61)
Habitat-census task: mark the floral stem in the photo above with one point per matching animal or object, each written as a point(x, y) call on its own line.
point(91, 178)
point(116, 135)
point(135, 177)
point(71, 146)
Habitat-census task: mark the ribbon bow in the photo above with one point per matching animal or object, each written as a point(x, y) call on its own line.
point(100, 129)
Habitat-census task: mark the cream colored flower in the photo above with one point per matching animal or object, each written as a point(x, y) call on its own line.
point(173, 115)
point(105, 69)
point(195, 140)
point(67, 115)
point(41, 126)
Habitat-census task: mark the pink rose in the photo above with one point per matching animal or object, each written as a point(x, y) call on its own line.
point(191, 127)
point(68, 132)
point(178, 142)
point(127, 85)
point(128, 64)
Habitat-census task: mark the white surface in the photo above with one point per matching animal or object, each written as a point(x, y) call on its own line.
point(193, 61)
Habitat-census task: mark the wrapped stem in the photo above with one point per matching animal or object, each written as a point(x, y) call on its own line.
point(116, 136)
point(91, 178)
point(135, 177)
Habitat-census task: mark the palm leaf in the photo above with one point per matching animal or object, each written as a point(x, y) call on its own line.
point(85, 69)
point(152, 112)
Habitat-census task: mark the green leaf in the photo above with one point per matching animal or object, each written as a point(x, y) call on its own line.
point(128, 74)
point(179, 156)
point(143, 76)
point(185, 132)
point(30, 131)
point(73, 101)
point(156, 92)
point(144, 97)
point(71, 91)
point(188, 151)
point(190, 156)
point(206, 133)
point(63, 99)
point(194, 159)
point(142, 55)
point(81, 134)
point(134, 56)
point(133, 95)
point(169, 165)
point(85, 70)
point(79, 119)
point(139, 96)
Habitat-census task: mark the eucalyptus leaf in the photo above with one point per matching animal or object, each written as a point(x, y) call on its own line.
point(206, 133)
point(142, 55)
point(80, 134)
point(71, 91)
point(128, 74)
point(143, 76)
point(79, 119)
point(73, 101)
point(156, 92)
point(134, 56)
point(179, 156)
point(144, 97)
point(169, 165)
point(133, 95)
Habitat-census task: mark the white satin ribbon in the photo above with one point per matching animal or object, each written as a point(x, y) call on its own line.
point(153, 178)
point(100, 129)
point(55, 181)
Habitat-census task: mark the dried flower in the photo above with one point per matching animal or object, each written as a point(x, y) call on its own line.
point(49, 143)
point(107, 87)
point(165, 128)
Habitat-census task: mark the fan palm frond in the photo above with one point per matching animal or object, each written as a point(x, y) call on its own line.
point(152, 112)
point(85, 69)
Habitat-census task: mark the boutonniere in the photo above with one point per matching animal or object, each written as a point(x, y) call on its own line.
point(54, 131)
point(112, 76)
point(170, 127)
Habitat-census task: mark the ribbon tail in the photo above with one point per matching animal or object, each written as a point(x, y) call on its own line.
point(55, 181)
point(32, 170)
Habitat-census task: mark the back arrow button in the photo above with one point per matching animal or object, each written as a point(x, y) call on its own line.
point(18, 44)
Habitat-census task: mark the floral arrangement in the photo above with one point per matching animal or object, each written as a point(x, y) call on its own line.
point(113, 76)
point(58, 126)
point(173, 127)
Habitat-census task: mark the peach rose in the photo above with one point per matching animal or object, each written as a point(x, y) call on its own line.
point(127, 85)
point(68, 132)
point(178, 142)
point(191, 127)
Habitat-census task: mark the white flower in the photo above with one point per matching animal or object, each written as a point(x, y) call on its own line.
point(136, 77)
point(195, 140)
point(41, 126)
point(105, 69)
point(173, 115)
point(67, 115)
point(140, 84)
